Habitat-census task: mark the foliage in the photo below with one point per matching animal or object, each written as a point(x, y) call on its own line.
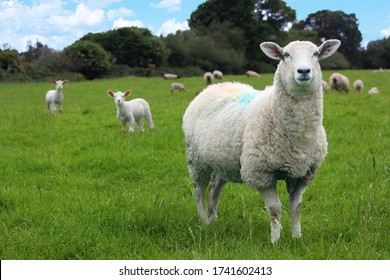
point(89, 58)
point(74, 187)
point(377, 54)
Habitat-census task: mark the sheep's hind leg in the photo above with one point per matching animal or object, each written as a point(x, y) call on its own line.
point(271, 199)
point(214, 194)
point(140, 126)
point(295, 188)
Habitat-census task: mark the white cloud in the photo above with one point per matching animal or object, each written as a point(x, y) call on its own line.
point(121, 12)
point(171, 26)
point(385, 32)
point(170, 5)
point(83, 16)
point(127, 23)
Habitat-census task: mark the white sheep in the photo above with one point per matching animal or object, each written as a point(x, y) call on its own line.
point(131, 111)
point(178, 86)
point(217, 74)
point(208, 77)
point(238, 134)
point(324, 86)
point(170, 76)
point(339, 82)
point(373, 90)
point(55, 97)
point(358, 85)
point(251, 73)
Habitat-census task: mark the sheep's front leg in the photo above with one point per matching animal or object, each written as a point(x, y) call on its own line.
point(200, 192)
point(295, 188)
point(123, 125)
point(271, 199)
point(131, 127)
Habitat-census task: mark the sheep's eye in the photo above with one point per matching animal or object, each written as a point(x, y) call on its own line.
point(286, 55)
point(317, 54)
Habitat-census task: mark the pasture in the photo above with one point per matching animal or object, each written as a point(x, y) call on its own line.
point(73, 187)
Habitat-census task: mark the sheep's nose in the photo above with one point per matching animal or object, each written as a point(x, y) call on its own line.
point(303, 70)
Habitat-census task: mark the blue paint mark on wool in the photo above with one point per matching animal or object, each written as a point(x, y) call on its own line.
point(248, 97)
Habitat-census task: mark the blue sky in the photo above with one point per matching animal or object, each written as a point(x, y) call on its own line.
point(58, 23)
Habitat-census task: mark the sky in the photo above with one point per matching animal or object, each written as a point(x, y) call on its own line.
point(59, 23)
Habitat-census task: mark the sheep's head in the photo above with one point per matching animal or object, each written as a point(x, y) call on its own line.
point(299, 69)
point(119, 97)
point(59, 84)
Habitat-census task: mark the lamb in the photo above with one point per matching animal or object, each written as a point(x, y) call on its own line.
point(217, 74)
point(339, 82)
point(373, 90)
point(238, 134)
point(131, 111)
point(170, 76)
point(178, 86)
point(208, 77)
point(55, 97)
point(358, 85)
point(251, 73)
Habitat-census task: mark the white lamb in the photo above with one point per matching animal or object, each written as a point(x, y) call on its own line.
point(178, 86)
point(170, 76)
point(131, 111)
point(208, 77)
point(55, 97)
point(339, 82)
point(358, 85)
point(251, 73)
point(217, 74)
point(238, 134)
point(373, 90)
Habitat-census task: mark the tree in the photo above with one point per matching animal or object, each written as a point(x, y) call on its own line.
point(337, 25)
point(89, 58)
point(377, 54)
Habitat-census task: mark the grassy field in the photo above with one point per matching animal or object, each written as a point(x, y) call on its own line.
point(73, 187)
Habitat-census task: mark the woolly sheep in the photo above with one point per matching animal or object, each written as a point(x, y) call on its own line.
point(251, 73)
point(238, 134)
point(358, 85)
point(217, 74)
point(177, 86)
point(131, 111)
point(373, 90)
point(170, 76)
point(339, 82)
point(208, 77)
point(55, 97)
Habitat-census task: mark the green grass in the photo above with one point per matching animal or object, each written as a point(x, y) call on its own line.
point(73, 187)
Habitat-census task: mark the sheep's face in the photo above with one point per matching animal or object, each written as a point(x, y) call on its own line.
point(59, 84)
point(299, 69)
point(119, 97)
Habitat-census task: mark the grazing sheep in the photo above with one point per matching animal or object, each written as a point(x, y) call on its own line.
point(339, 82)
point(131, 111)
point(170, 76)
point(55, 97)
point(238, 134)
point(324, 86)
point(251, 73)
point(217, 74)
point(208, 77)
point(358, 85)
point(178, 86)
point(373, 90)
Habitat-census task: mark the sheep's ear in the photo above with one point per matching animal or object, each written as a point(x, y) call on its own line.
point(328, 48)
point(54, 82)
point(110, 93)
point(127, 93)
point(272, 50)
point(64, 82)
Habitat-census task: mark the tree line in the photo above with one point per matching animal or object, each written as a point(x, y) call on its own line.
point(223, 35)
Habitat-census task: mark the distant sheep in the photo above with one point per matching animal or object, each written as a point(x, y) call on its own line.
point(208, 77)
point(324, 86)
point(358, 85)
point(373, 90)
point(170, 76)
point(55, 97)
point(131, 111)
point(251, 73)
point(217, 74)
point(177, 86)
point(339, 82)
point(238, 134)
